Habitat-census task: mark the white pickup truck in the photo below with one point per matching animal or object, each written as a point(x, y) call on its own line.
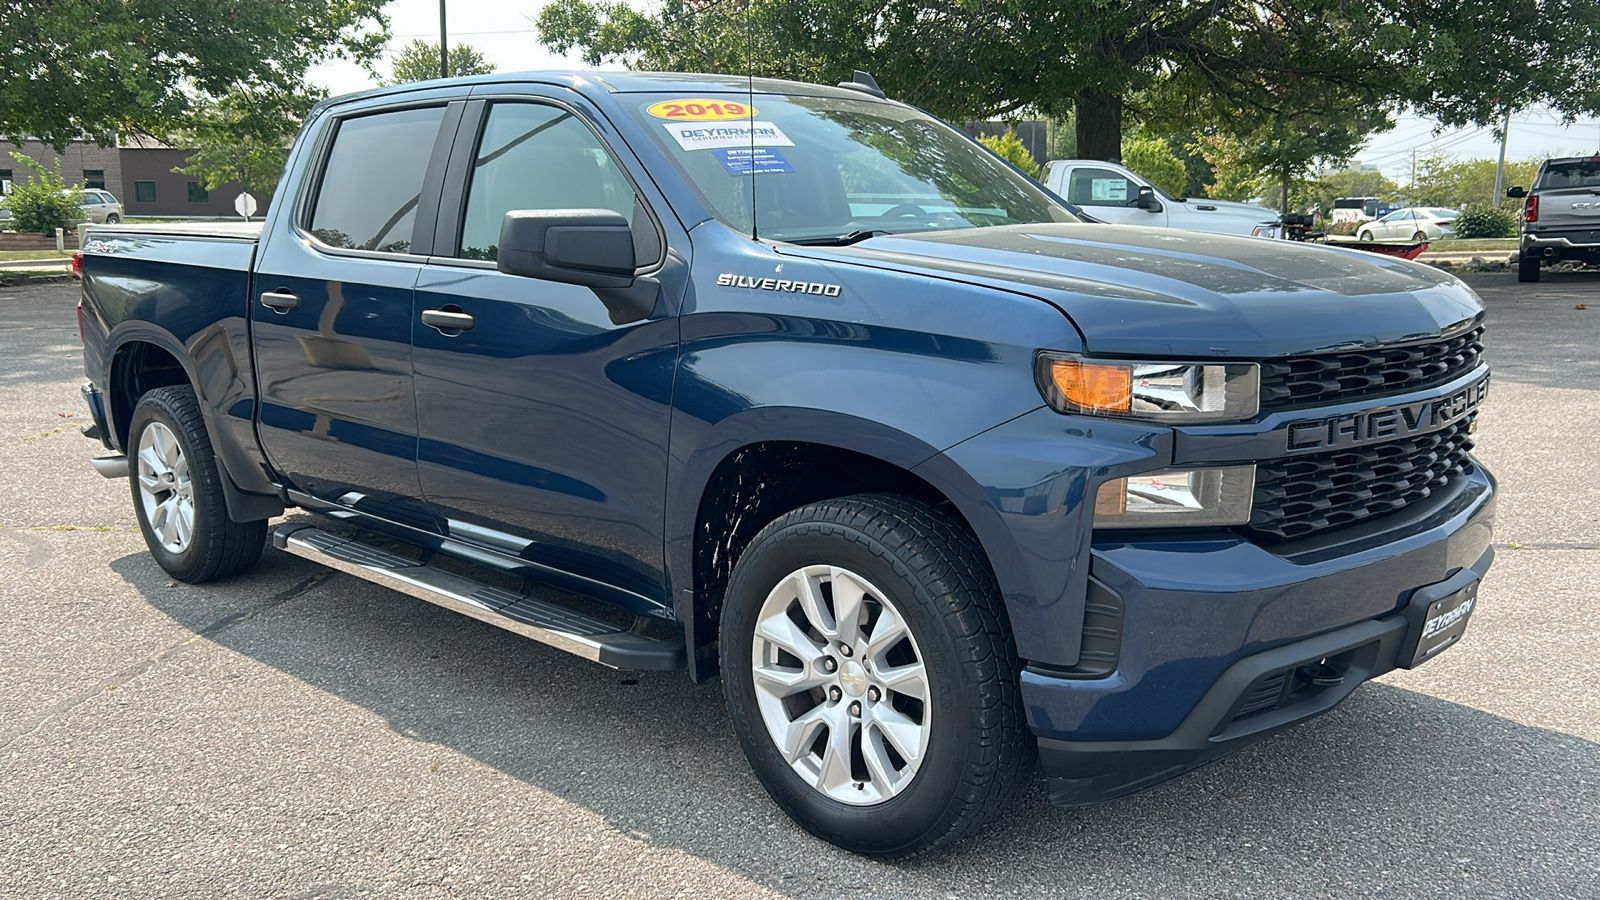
point(1114, 194)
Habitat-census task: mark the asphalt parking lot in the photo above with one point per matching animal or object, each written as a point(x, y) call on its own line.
point(296, 733)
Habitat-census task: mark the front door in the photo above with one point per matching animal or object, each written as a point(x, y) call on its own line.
point(332, 318)
point(543, 427)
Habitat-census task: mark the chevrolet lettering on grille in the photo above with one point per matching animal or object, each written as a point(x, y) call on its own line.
point(1371, 426)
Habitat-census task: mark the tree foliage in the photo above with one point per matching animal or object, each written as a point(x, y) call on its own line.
point(1140, 59)
point(419, 61)
point(1333, 185)
point(1153, 158)
point(1443, 181)
point(105, 68)
point(245, 137)
point(43, 203)
point(1010, 148)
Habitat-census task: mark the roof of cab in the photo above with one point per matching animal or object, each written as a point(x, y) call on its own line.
point(623, 83)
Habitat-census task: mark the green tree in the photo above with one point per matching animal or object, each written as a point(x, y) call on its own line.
point(982, 58)
point(1443, 181)
point(1010, 148)
point(105, 68)
point(419, 61)
point(245, 138)
point(43, 203)
point(1153, 158)
point(1333, 185)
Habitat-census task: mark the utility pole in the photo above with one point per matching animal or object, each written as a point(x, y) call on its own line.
point(1500, 169)
point(444, 45)
point(1411, 189)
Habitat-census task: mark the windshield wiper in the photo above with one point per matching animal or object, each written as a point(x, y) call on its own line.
point(843, 240)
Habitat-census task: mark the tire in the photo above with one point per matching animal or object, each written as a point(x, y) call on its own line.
point(177, 492)
point(112, 218)
point(1365, 236)
point(1527, 268)
point(913, 565)
point(1419, 238)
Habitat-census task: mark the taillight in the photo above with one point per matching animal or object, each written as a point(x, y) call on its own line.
point(77, 263)
point(1530, 208)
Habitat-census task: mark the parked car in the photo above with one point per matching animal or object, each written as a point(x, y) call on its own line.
point(1561, 215)
point(1115, 194)
point(100, 207)
point(931, 486)
point(1414, 224)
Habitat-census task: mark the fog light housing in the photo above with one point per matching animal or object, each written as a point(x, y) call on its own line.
point(1177, 498)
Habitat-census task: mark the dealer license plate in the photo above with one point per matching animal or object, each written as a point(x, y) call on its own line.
point(1437, 623)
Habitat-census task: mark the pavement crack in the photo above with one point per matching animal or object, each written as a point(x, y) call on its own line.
point(37, 722)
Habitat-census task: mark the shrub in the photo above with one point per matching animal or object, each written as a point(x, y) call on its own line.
point(1342, 228)
point(1153, 158)
point(43, 203)
point(1480, 220)
point(1010, 148)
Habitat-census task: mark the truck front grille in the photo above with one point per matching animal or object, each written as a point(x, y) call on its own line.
point(1303, 495)
point(1335, 377)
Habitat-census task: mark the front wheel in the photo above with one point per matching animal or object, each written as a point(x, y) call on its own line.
point(869, 671)
point(177, 492)
point(112, 218)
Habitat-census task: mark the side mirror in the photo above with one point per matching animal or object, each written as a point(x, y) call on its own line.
point(1147, 200)
point(1516, 193)
point(588, 247)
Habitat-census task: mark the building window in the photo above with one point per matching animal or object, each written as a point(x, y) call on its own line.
point(5, 181)
point(144, 191)
point(198, 193)
point(94, 179)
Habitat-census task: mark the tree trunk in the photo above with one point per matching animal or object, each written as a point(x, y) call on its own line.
point(1286, 191)
point(1099, 126)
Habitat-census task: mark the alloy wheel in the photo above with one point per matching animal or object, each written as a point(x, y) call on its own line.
point(166, 489)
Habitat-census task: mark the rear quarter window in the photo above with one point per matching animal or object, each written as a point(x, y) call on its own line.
point(370, 186)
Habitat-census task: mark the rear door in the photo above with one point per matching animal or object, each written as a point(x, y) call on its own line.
point(332, 311)
point(543, 428)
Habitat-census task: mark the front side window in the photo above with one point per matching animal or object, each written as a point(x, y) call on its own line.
point(533, 156)
point(372, 181)
point(1100, 187)
point(817, 169)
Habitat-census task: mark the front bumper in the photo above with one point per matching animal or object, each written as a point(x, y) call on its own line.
point(1208, 623)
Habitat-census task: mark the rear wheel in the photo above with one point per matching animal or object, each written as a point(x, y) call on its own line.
point(112, 218)
point(1365, 235)
point(1419, 237)
point(1527, 268)
point(177, 492)
point(869, 671)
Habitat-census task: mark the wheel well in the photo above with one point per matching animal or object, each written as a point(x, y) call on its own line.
point(760, 482)
point(136, 369)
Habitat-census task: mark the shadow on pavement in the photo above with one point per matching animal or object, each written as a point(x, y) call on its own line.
point(1396, 789)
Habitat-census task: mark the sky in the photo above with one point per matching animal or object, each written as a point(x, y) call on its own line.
point(504, 33)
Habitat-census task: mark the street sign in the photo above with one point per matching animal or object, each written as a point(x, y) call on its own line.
point(246, 205)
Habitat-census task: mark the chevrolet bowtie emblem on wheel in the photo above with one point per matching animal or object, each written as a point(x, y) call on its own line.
point(781, 285)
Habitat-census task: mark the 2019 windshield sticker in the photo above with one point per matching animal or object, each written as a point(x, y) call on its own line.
point(701, 109)
point(781, 285)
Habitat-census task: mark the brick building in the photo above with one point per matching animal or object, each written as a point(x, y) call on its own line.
point(139, 172)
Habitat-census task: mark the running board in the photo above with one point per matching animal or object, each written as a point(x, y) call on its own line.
point(545, 622)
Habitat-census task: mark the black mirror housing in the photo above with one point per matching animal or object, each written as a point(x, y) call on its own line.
point(1147, 200)
point(588, 247)
point(1516, 193)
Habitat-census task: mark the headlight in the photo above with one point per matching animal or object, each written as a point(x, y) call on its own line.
point(1177, 498)
point(1265, 231)
point(1160, 392)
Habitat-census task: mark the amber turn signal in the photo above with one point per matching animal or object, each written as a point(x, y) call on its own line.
point(1093, 388)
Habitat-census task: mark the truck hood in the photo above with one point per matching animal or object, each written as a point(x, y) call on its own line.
point(1163, 292)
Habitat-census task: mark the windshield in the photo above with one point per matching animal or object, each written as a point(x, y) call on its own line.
point(1578, 173)
point(831, 169)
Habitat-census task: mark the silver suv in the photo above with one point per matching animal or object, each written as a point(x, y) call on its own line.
point(1560, 215)
point(100, 207)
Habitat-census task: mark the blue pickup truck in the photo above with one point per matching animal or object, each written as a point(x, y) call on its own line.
point(798, 386)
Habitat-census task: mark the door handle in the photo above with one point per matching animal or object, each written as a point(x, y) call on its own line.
point(280, 301)
point(444, 318)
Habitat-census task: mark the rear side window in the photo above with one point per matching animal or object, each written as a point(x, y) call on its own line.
point(533, 156)
point(373, 179)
